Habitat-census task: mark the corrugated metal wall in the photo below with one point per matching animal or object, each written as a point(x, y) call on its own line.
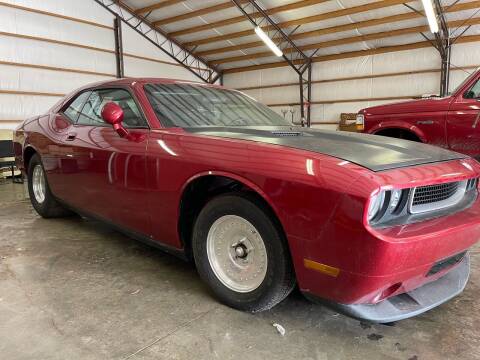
point(51, 47)
point(413, 73)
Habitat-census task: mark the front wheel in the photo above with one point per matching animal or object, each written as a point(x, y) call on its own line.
point(242, 254)
point(40, 195)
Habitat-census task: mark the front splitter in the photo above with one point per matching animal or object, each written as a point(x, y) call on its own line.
point(409, 304)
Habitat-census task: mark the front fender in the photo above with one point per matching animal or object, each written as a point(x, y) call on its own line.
point(233, 176)
point(398, 124)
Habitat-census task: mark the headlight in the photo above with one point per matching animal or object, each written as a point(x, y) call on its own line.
point(376, 203)
point(387, 205)
point(360, 121)
point(395, 197)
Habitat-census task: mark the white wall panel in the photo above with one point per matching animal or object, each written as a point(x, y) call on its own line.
point(466, 54)
point(352, 89)
point(409, 60)
point(83, 9)
point(19, 107)
point(405, 85)
point(256, 94)
point(28, 79)
point(273, 96)
point(261, 78)
point(34, 24)
point(28, 51)
point(143, 68)
point(342, 68)
point(35, 52)
point(133, 43)
point(318, 112)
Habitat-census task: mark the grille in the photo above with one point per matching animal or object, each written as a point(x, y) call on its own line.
point(434, 193)
point(439, 196)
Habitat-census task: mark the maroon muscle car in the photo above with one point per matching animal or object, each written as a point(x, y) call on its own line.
point(378, 228)
point(451, 122)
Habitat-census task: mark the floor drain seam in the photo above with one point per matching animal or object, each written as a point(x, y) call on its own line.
point(185, 324)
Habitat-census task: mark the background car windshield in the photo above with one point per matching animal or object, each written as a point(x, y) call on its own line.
point(185, 105)
point(467, 79)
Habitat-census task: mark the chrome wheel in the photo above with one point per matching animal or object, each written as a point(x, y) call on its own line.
point(38, 183)
point(236, 253)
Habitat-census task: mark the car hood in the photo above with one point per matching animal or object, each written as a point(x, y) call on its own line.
point(376, 153)
point(411, 106)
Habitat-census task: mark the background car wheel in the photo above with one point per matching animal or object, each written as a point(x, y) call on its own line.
point(242, 254)
point(40, 195)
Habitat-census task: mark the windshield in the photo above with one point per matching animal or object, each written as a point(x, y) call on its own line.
point(185, 105)
point(469, 77)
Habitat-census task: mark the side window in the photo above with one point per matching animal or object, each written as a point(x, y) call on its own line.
point(474, 92)
point(91, 112)
point(75, 106)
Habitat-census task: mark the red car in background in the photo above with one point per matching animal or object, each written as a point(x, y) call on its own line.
point(377, 228)
point(452, 122)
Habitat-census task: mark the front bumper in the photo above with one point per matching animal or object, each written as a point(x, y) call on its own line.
point(412, 303)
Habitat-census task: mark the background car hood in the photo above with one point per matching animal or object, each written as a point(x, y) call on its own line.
point(410, 106)
point(374, 152)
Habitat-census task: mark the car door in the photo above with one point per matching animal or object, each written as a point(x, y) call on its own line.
point(61, 161)
point(109, 172)
point(463, 122)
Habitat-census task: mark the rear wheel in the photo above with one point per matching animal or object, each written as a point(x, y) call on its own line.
point(40, 195)
point(241, 254)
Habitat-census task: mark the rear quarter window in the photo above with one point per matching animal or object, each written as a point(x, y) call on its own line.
point(73, 110)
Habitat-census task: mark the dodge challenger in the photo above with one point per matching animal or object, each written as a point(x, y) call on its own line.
point(377, 228)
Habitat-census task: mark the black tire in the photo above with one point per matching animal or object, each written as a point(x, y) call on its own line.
point(49, 207)
point(279, 278)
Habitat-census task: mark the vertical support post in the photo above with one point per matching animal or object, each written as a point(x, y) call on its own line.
point(444, 47)
point(305, 83)
point(445, 69)
point(302, 105)
point(309, 95)
point(117, 28)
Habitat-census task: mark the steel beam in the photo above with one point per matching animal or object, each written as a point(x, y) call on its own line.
point(445, 69)
point(444, 48)
point(117, 29)
point(296, 58)
point(161, 40)
point(442, 42)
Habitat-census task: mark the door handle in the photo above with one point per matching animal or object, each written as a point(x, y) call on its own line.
point(71, 136)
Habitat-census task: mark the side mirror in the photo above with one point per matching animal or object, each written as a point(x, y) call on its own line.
point(113, 115)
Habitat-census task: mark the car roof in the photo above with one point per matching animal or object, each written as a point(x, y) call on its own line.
point(133, 81)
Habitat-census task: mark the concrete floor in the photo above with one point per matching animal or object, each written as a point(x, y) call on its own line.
point(73, 289)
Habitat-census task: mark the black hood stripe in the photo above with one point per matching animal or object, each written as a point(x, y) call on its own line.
point(374, 152)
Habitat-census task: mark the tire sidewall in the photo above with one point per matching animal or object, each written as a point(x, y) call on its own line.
point(278, 258)
point(42, 207)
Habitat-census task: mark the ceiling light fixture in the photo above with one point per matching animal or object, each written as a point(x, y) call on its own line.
point(261, 34)
point(431, 16)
